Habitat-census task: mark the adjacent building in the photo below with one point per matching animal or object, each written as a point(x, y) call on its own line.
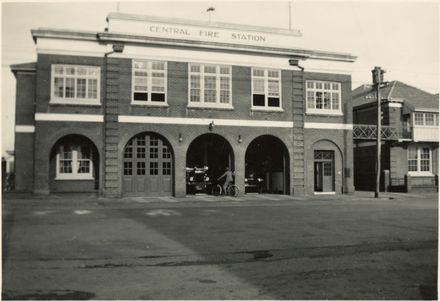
point(410, 138)
point(125, 111)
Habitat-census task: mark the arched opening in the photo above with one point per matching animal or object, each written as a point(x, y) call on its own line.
point(267, 166)
point(74, 165)
point(206, 159)
point(148, 166)
point(327, 167)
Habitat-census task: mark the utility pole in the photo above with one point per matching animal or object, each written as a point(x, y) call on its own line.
point(290, 15)
point(377, 81)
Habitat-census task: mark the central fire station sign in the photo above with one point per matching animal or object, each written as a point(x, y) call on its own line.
point(224, 33)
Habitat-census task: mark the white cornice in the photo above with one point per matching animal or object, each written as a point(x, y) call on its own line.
point(328, 126)
point(69, 117)
point(204, 121)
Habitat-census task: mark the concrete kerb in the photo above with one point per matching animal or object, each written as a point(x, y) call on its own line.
point(72, 199)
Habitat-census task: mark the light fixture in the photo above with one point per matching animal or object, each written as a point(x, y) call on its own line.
point(211, 125)
point(118, 48)
point(180, 137)
point(239, 139)
point(295, 63)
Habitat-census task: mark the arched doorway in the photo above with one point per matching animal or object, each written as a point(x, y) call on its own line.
point(147, 168)
point(206, 159)
point(327, 168)
point(74, 165)
point(267, 166)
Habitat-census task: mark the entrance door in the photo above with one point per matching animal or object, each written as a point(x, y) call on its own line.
point(324, 171)
point(147, 166)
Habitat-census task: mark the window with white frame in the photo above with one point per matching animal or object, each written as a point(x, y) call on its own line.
point(419, 159)
point(75, 84)
point(210, 85)
point(323, 97)
point(266, 89)
point(149, 81)
point(74, 162)
point(425, 119)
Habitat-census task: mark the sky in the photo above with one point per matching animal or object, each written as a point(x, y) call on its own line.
point(400, 37)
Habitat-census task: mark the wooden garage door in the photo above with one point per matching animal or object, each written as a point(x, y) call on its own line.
point(147, 166)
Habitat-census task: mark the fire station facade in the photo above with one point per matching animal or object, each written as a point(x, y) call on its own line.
point(126, 111)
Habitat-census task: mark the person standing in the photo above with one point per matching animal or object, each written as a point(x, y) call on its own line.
point(229, 178)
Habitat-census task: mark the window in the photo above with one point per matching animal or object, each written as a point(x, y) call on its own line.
point(266, 89)
point(419, 160)
point(74, 162)
point(425, 119)
point(210, 86)
point(323, 97)
point(75, 84)
point(328, 170)
point(149, 82)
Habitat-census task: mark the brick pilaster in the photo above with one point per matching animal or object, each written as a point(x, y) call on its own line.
point(298, 174)
point(111, 129)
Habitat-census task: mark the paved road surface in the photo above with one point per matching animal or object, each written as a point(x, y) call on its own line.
point(255, 247)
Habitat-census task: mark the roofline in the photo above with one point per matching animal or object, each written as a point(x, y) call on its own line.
point(180, 21)
point(15, 68)
point(108, 37)
point(395, 100)
point(426, 110)
point(298, 52)
point(63, 34)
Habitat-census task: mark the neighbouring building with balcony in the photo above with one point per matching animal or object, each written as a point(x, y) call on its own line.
point(128, 110)
point(410, 137)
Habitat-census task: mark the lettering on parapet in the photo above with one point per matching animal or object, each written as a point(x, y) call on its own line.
point(207, 33)
point(170, 30)
point(248, 37)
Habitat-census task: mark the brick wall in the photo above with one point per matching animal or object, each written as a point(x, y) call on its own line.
point(43, 91)
point(24, 142)
point(116, 100)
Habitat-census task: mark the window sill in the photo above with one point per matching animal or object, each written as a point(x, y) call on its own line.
point(149, 104)
point(266, 109)
point(324, 112)
point(75, 102)
point(210, 107)
point(69, 177)
point(421, 174)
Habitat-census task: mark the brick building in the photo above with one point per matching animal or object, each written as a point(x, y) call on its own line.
point(126, 110)
point(410, 138)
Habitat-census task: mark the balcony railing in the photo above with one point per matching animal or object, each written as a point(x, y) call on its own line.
point(369, 132)
point(425, 133)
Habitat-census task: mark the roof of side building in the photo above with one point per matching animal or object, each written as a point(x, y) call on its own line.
point(397, 91)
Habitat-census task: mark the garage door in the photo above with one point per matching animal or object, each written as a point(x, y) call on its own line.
point(148, 164)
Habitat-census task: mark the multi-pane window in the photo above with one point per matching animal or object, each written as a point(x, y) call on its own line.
point(149, 82)
point(154, 168)
point(75, 84)
point(166, 168)
point(323, 97)
point(140, 168)
point(128, 168)
point(166, 154)
point(74, 162)
point(419, 159)
point(425, 119)
point(328, 170)
point(154, 147)
point(412, 159)
point(209, 85)
point(266, 88)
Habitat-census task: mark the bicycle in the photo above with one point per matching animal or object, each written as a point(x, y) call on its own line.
point(231, 190)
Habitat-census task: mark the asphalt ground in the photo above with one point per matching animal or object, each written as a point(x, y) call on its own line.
point(203, 247)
